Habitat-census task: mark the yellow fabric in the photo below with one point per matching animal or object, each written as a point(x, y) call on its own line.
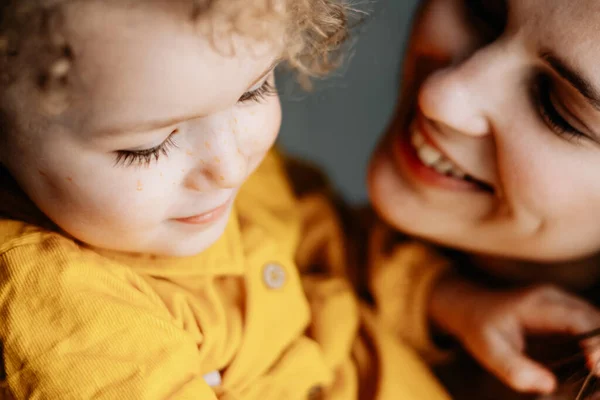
point(79, 323)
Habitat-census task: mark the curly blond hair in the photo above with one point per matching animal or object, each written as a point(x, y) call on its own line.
point(313, 30)
point(33, 49)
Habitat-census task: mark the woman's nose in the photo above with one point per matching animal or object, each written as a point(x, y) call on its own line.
point(463, 95)
point(447, 98)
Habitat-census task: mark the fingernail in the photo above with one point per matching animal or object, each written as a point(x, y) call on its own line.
point(545, 383)
point(538, 381)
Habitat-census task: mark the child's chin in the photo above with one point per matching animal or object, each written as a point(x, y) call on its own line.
point(187, 251)
point(195, 244)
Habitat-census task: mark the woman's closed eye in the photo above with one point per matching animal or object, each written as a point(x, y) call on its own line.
point(543, 99)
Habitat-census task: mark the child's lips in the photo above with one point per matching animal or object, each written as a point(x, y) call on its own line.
point(207, 217)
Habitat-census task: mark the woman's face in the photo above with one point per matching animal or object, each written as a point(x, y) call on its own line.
point(496, 144)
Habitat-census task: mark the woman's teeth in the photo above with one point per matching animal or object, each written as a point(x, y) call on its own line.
point(432, 158)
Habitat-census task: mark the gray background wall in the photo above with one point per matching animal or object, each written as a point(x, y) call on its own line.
point(338, 124)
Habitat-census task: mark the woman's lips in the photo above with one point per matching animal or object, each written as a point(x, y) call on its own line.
point(408, 161)
point(206, 217)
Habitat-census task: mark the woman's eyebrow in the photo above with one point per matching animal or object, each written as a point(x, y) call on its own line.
point(576, 78)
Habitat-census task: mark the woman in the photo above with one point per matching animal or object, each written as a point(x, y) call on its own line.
point(495, 150)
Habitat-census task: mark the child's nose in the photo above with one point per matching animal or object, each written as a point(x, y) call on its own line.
point(224, 166)
point(227, 170)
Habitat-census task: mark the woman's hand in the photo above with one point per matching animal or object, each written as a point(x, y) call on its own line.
point(492, 326)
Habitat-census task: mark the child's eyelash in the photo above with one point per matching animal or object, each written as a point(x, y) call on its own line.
point(127, 158)
point(267, 89)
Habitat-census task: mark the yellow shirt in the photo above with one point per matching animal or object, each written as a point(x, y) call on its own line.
point(268, 312)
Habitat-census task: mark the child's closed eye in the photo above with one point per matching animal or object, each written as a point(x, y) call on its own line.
point(145, 157)
point(261, 93)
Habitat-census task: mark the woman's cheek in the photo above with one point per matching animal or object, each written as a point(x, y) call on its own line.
point(545, 179)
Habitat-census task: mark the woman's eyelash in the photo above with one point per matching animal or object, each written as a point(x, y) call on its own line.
point(127, 158)
point(549, 113)
point(267, 89)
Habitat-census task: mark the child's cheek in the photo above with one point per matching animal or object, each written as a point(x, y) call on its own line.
point(120, 197)
point(257, 127)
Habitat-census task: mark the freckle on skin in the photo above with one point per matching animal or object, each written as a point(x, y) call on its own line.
point(161, 174)
point(68, 178)
point(140, 186)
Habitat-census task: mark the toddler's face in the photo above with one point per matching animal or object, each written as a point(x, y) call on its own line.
point(163, 129)
point(496, 145)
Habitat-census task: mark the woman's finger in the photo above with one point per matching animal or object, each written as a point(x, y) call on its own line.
point(571, 316)
point(504, 358)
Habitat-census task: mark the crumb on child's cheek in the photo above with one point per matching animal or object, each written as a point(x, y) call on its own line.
point(140, 186)
point(234, 125)
point(189, 153)
point(42, 173)
point(207, 145)
point(69, 179)
point(217, 160)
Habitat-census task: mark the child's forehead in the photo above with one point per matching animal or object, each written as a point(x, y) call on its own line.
point(136, 64)
point(222, 15)
point(125, 34)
